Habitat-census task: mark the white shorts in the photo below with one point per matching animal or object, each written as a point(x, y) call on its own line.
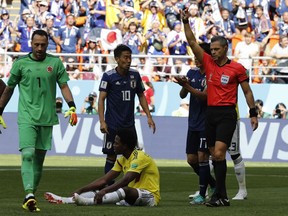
point(235, 143)
point(146, 198)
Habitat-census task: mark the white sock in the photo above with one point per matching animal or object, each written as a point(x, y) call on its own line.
point(211, 165)
point(68, 200)
point(89, 194)
point(29, 195)
point(113, 197)
point(239, 168)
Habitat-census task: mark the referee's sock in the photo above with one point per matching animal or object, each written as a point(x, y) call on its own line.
point(220, 169)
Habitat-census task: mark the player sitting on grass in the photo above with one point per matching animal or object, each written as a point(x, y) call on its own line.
point(139, 186)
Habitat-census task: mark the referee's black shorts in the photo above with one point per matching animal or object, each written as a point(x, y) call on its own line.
point(220, 124)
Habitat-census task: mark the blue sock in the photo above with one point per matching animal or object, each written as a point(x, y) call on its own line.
point(108, 166)
point(204, 172)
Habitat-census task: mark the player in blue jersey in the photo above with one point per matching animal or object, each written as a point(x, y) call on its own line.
point(118, 88)
point(196, 146)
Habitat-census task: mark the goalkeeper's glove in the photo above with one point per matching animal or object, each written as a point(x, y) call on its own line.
point(72, 114)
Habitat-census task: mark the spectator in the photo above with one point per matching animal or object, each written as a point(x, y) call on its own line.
point(282, 7)
point(69, 36)
point(196, 23)
point(134, 40)
point(40, 18)
point(280, 111)
point(35, 9)
point(156, 39)
point(266, 73)
point(215, 9)
point(265, 7)
point(171, 11)
point(72, 69)
point(57, 10)
point(25, 33)
point(53, 39)
point(262, 30)
point(127, 19)
point(246, 50)
point(152, 14)
point(113, 13)
point(149, 95)
point(226, 28)
point(280, 52)
point(59, 105)
point(176, 40)
point(211, 32)
point(282, 26)
point(240, 18)
point(259, 109)
point(5, 64)
point(90, 104)
point(26, 4)
point(6, 30)
point(92, 69)
point(144, 67)
point(207, 15)
point(98, 13)
point(21, 22)
point(161, 71)
point(180, 67)
point(183, 110)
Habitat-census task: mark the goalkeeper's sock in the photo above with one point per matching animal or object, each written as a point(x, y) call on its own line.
point(38, 166)
point(114, 197)
point(27, 171)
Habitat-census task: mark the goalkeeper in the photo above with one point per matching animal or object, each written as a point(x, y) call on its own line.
point(36, 75)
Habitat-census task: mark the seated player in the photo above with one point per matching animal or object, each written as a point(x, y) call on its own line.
point(139, 185)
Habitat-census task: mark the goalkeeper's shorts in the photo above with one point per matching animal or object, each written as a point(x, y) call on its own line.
point(32, 136)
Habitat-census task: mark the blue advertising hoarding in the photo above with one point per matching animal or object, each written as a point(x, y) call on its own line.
point(268, 143)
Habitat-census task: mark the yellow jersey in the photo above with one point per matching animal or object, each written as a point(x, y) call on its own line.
point(143, 164)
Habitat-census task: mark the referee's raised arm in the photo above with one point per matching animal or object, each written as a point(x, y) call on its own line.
point(197, 50)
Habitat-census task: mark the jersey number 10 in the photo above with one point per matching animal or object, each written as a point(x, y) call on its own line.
point(126, 95)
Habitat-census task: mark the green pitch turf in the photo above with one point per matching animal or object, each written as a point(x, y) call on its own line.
point(267, 189)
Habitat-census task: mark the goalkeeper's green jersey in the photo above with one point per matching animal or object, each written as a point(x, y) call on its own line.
point(36, 81)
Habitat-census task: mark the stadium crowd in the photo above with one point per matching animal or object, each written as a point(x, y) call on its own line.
point(253, 28)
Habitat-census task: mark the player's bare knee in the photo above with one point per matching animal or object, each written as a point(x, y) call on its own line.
point(192, 159)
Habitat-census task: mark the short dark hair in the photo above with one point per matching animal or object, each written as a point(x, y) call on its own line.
point(260, 102)
point(222, 40)
point(259, 7)
point(280, 104)
point(121, 48)
point(128, 137)
point(40, 32)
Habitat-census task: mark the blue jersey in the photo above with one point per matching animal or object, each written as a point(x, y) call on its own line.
point(70, 37)
point(120, 101)
point(197, 107)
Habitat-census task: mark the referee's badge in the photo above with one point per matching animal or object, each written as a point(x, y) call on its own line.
point(224, 79)
point(133, 84)
point(49, 69)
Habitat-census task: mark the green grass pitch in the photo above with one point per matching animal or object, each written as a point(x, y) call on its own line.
point(267, 185)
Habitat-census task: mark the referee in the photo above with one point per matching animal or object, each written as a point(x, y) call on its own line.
point(223, 77)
